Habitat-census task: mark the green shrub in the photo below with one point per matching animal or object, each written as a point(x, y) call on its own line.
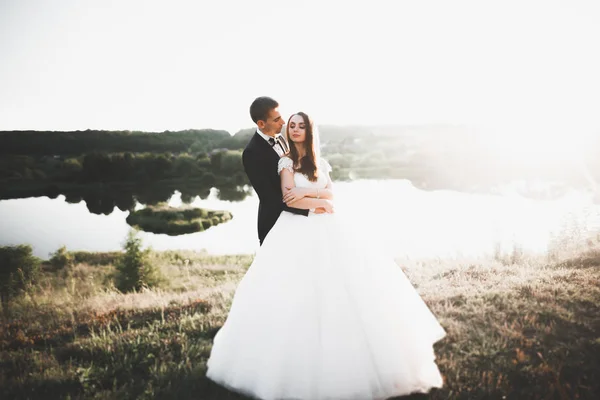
point(134, 269)
point(18, 272)
point(61, 258)
point(96, 258)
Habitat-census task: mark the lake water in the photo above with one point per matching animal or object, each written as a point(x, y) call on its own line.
point(409, 222)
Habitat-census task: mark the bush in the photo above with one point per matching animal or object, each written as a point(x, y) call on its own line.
point(72, 165)
point(231, 162)
point(134, 269)
point(18, 271)
point(61, 258)
point(96, 258)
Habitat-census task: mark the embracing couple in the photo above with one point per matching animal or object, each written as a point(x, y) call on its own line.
point(320, 313)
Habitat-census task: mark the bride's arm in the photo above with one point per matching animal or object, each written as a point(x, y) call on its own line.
point(295, 195)
point(292, 194)
point(307, 203)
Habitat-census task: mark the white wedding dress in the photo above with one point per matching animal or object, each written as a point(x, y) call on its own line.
point(320, 315)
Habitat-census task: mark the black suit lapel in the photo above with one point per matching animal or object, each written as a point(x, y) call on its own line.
point(265, 147)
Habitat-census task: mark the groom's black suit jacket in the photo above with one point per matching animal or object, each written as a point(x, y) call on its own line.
point(260, 163)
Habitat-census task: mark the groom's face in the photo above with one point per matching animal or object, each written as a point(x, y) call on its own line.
point(273, 124)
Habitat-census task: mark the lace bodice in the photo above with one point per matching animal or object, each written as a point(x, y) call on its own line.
point(301, 180)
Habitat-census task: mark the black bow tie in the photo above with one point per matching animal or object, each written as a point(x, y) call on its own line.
point(273, 141)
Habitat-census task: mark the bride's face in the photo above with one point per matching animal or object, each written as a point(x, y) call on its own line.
point(297, 129)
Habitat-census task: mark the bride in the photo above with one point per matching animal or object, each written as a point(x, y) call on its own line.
point(321, 314)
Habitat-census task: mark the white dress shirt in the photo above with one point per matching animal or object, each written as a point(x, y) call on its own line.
point(279, 148)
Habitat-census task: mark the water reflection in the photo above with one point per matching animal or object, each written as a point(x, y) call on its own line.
point(408, 221)
point(103, 199)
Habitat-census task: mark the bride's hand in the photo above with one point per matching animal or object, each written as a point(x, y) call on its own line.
point(293, 194)
point(328, 206)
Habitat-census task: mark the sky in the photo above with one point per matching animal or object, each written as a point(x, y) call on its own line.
point(171, 65)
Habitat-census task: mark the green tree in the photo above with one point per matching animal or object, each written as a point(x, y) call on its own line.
point(72, 165)
point(122, 166)
point(134, 269)
point(231, 162)
point(185, 165)
point(208, 180)
point(61, 258)
point(18, 271)
point(96, 166)
point(156, 166)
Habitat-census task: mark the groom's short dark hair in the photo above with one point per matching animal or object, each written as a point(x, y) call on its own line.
point(260, 107)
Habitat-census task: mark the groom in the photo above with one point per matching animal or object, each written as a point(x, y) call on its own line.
point(260, 158)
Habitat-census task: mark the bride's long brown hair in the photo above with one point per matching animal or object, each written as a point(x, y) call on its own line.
point(307, 165)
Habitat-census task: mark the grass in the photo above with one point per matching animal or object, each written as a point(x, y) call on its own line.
point(525, 328)
point(174, 221)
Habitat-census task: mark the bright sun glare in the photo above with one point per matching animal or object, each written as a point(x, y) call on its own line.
point(540, 144)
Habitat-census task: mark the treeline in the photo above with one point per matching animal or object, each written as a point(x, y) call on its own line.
point(440, 157)
point(336, 139)
point(40, 143)
point(119, 167)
